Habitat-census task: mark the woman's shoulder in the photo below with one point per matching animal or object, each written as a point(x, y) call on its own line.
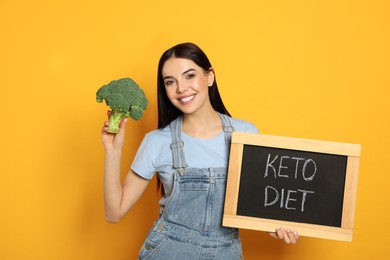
point(243, 126)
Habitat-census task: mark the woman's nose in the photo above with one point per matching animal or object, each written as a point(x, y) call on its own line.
point(181, 87)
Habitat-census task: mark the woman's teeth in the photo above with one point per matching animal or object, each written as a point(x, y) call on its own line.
point(186, 99)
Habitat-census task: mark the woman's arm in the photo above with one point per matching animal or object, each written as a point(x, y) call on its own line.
point(118, 198)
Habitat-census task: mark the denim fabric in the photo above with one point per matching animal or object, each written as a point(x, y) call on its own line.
point(190, 227)
point(169, 241)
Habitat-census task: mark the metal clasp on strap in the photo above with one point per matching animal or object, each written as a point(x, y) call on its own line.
point(177, 145)
point(181, 171)
point(228, 129)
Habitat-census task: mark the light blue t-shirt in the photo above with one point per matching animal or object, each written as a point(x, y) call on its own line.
point(154, 154)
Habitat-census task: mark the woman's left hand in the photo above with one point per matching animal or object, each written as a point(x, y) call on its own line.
point(290, 237)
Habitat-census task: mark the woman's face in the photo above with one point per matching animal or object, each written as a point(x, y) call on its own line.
point(187, 84)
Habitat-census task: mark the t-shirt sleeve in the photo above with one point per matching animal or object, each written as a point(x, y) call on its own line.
point(244, 126)
point(143, 161)
point(251, 128)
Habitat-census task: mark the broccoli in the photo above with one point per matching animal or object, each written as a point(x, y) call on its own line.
point(125, 99)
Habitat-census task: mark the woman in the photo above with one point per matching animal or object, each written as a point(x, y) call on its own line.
point(189, 151)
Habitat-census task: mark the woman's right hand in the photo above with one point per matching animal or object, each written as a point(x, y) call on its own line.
point(113, 142)
point(287, 235)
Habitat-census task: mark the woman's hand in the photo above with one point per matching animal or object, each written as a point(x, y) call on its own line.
point(290, 237)
point(113, 142)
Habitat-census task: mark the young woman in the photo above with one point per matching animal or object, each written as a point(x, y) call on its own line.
point(189, 152)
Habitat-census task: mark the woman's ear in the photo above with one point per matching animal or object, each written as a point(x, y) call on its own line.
point(211, 77)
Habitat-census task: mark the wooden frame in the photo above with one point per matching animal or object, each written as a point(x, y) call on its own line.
point(352, 151)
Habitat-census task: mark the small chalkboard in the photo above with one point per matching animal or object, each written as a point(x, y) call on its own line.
point(301, 184)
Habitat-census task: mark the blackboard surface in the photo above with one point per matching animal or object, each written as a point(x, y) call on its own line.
point(292, 185)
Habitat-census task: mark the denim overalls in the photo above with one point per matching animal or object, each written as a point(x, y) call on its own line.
point(190, 224)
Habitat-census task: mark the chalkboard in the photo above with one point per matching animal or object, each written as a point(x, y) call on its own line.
point(292, 185)
point(302, 184)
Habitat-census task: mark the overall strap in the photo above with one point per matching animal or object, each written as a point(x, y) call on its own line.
point(228, 129)
point(177, 145)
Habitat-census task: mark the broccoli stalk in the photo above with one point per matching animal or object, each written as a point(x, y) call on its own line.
point(125, 99)
point(115, 120)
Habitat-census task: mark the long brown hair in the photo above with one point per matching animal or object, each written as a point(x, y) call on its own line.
point(167, 112)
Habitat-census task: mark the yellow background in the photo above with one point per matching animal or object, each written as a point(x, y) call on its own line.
point(309, 69)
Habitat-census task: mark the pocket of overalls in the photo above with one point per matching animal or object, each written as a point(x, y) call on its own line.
point(152, 245)
point(192, 202)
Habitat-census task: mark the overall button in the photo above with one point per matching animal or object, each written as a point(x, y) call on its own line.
point(160, 227)
point(148, 247)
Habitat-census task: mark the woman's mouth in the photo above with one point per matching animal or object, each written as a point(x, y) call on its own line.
point(187, 99)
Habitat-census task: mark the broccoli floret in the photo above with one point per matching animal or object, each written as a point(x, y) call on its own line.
point(125, 98)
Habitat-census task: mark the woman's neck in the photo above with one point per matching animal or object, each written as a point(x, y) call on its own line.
point(203, 126)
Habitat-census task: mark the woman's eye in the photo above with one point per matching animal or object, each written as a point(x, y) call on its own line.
point(190, 76)
point(168, 82)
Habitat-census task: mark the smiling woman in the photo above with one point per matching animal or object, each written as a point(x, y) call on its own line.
point(187, 85)
point(187, 53)
point(189, 153)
